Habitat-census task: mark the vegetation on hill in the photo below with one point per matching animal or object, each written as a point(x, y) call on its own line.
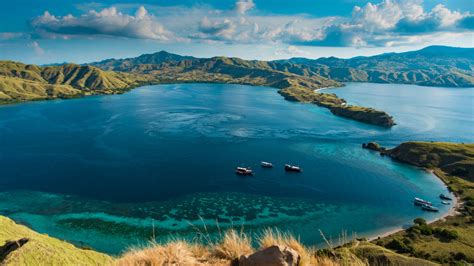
point(431, 66)
point(338, 106)
point(21, 82)
point(448, 241)
point(27, 247)
point(28, 82)
point(452, 158)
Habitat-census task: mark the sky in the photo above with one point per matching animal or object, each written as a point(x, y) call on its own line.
point(56, 31)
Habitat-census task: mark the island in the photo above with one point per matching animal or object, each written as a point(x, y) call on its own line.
point(338, 106)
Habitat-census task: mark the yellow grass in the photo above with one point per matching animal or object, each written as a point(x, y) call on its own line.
point(233, 245)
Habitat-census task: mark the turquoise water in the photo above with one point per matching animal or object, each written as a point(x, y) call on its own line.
point(107, 171)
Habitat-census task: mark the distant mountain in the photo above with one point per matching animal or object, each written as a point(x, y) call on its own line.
point(167, 67)
point(20, 81)
point(431, 66)
point(128, 63)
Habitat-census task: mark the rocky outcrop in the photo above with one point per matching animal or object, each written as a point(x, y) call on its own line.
point(372, 146)
point(271, 256)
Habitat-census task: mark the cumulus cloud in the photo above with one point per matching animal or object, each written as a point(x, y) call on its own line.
point(222, 30)
point(107, 22)
point(390, 22)
point(242, 6)
point(383, 23)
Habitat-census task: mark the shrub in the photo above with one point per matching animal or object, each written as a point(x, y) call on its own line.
point(460, 171)
point(447, 235)
point(423, 229)
point(419, 221)
point(399, 246)
point(460, 256)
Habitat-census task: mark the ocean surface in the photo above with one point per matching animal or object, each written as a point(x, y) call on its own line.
point(109, 172)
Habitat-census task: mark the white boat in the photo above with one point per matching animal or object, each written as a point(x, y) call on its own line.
point(445, 197)
point(445, 202)
point(266, 164)
point(243, 171)
point(292, 168)
point(429, 208)
point(420, 202)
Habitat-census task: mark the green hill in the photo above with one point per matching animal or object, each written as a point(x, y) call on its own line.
point(39, 249)
point(22, 82)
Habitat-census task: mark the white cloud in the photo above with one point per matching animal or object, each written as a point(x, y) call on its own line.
point(10, 35)
point(108, 22)
point(384, 23)
point(36, 48)
point(242, 6)
point(388, 23)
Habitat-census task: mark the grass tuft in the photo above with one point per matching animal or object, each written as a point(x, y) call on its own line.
point(233, 245)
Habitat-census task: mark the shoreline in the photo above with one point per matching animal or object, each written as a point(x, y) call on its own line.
point(454, 206)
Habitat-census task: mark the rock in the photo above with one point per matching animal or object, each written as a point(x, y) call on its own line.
point(11, 246)
point(372, 146)
point(271, 256)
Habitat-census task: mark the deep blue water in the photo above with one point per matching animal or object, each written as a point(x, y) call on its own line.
point(101, 171)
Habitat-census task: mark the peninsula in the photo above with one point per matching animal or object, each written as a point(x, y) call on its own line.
point(447, 241)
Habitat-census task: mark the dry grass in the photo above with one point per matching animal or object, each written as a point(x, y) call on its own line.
point(173, 253)
point(233, 245)
point(271, 237)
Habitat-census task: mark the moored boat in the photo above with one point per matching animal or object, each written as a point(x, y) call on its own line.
point(445, 197)
point(292, 168)
point(429, 208)
point(266, 165)
point(445, 202)
point(243, 171)
point(420, 202)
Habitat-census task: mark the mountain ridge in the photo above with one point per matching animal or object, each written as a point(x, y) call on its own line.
point(431, 66)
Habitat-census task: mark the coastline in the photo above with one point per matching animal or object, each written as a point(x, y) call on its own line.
point(455, 204)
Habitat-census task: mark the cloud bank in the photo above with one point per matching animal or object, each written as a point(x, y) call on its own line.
point(107, 22)
point(386, 23)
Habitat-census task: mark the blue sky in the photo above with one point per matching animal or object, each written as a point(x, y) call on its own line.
point(50, 31)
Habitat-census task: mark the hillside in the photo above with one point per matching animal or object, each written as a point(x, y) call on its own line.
point(21, 246)
point(22, 82)
point(452, 158)
point(39, 249)
point(431, 66)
